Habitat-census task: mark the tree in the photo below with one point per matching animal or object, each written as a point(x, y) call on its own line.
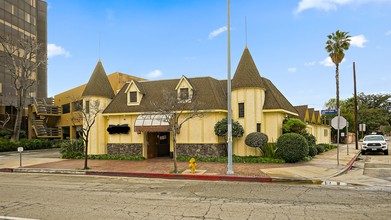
point(86, 115)
point(176, 111)
point(374, 110)
point(293, 125)
point(22, 57)
point(336, 44)
point(221, 128)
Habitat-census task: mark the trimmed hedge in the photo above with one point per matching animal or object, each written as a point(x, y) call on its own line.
point(256, 139)
point(235, 159)
point(292, 147)
point(109, 157)
point(33, 144)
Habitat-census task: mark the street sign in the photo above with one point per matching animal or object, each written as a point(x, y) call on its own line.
point(329, 112)
point(20, 149)
point(362, 127)
point(342, 122)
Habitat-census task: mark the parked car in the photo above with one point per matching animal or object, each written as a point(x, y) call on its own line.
point(374, 143)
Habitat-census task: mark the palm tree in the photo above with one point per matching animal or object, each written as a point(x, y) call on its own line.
point(336, 44)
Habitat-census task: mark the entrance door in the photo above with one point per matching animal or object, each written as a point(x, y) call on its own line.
point(158, 144)
point(163, 147)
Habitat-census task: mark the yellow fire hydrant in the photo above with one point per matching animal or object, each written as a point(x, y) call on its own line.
point(192, 165)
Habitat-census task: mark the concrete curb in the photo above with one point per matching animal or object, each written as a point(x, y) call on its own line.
point(348, 166)
point(44, 170)
point(183, 176)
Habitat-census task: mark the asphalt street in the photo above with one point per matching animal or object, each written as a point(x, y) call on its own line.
point(43, 196)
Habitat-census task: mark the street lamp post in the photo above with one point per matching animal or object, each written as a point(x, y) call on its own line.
point(229, 142)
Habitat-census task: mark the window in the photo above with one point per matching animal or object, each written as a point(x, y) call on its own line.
point(241, 110)
point(326, 132)
point(133, 96)
point(77, 105)
point(184, 94)
point(258, 127)
point(66, 108)
point(87, 107)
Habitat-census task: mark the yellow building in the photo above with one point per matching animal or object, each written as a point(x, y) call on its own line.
point(129, 122)
point(315, 126)
point(99, 85)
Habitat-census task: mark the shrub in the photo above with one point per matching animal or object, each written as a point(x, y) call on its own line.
point(256, 139)
point(235, 159)
point(325, 147)
point(311, 139)
point(71, 149)
point(269, 150)
point(312, 151)
point(4, 134)
point(320, 148)
point(33, 144)
point(221, 128)
point(294, 125)
point(292, 147)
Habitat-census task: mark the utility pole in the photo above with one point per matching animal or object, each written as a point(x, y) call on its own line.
point(355, 107)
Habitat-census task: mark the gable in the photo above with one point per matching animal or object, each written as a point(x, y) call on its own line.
point(133, 94)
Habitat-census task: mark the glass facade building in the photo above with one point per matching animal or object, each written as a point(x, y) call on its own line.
point(22, 18)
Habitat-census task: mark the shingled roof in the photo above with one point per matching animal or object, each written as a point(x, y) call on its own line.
point(246, 74)
point(274, 99)
point(99, 84)
point(208, 91)
point(302, 110)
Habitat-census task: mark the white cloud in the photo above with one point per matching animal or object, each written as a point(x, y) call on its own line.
point(328, 5)
point(217, 32)
point(327, 62)
point(358, 41)
point(310, 63)
point(154, 74)
point(388, 33)
point(54, 50)
point(292, 69)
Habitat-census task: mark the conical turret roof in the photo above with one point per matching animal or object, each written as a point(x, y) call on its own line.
point(246, 74)
point(99, 84)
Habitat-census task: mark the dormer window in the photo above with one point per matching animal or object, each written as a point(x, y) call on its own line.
point(184, 94)
point(184, 90)
point(133, 93)
point(133, 97)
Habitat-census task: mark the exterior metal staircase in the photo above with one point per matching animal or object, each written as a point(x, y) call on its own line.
point(43, 115)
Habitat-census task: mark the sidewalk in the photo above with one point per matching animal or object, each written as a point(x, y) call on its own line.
point(323, 167)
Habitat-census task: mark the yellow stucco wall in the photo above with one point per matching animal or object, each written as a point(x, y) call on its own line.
point(253, 99)
point(98, 134)
point(322, 134)
point(201, 130)
point(132, 137)
point(273, 128)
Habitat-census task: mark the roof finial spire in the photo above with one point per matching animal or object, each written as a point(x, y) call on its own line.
point(245, 25)
point(99, 48)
